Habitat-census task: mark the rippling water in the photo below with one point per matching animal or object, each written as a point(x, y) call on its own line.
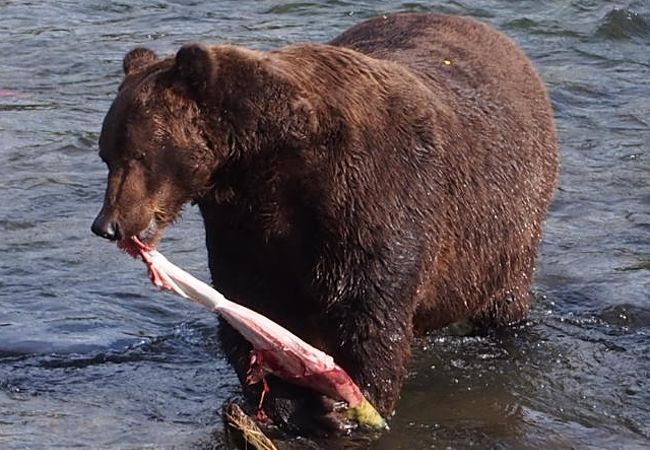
point(91, 356)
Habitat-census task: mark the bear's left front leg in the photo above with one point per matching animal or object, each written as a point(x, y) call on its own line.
point(372, 342)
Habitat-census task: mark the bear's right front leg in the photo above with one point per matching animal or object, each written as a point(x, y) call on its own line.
point(290, 407)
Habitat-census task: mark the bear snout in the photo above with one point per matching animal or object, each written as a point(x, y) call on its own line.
point(106, 228)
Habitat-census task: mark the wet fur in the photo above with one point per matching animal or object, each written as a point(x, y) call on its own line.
point(359, 193)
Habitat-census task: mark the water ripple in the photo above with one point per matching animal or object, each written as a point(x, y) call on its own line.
point(91, 355)
point(622, 24)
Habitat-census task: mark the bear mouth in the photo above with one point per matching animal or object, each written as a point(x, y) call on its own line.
point(150, 236)
point(135, 248)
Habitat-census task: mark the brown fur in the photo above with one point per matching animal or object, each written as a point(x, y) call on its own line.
point(359, 193)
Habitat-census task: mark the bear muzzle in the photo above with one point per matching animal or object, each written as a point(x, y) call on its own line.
point(106, 227)
point(109, 227)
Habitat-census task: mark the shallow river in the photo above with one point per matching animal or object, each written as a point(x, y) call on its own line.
point(92, 357)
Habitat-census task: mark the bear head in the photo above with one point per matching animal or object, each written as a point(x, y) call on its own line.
point(176, 121)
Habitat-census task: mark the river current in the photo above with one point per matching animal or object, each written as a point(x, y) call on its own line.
point(92, 357)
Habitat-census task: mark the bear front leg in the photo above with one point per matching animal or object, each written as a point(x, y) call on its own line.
point(288, 406)
point(372, 342)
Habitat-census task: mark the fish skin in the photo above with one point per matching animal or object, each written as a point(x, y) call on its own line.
point(276, 350)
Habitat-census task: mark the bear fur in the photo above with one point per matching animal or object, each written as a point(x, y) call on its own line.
point(360, 193)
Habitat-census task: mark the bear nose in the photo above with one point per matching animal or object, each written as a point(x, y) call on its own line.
point(108, 229)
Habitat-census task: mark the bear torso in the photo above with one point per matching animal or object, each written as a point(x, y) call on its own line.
point(421, 203)
point(439, 176)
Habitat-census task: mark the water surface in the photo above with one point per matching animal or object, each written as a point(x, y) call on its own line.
point(92, 357)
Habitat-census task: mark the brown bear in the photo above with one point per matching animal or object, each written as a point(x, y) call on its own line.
point(360, 193)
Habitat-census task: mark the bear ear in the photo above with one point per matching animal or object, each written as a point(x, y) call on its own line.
point(194, 65)
point(138, 58)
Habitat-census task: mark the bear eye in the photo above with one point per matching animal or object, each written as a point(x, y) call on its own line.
point(139, 156)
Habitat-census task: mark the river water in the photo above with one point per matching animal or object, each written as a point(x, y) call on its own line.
point(92, 357)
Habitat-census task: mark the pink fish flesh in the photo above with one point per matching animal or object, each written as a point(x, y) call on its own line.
point(276, 350)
